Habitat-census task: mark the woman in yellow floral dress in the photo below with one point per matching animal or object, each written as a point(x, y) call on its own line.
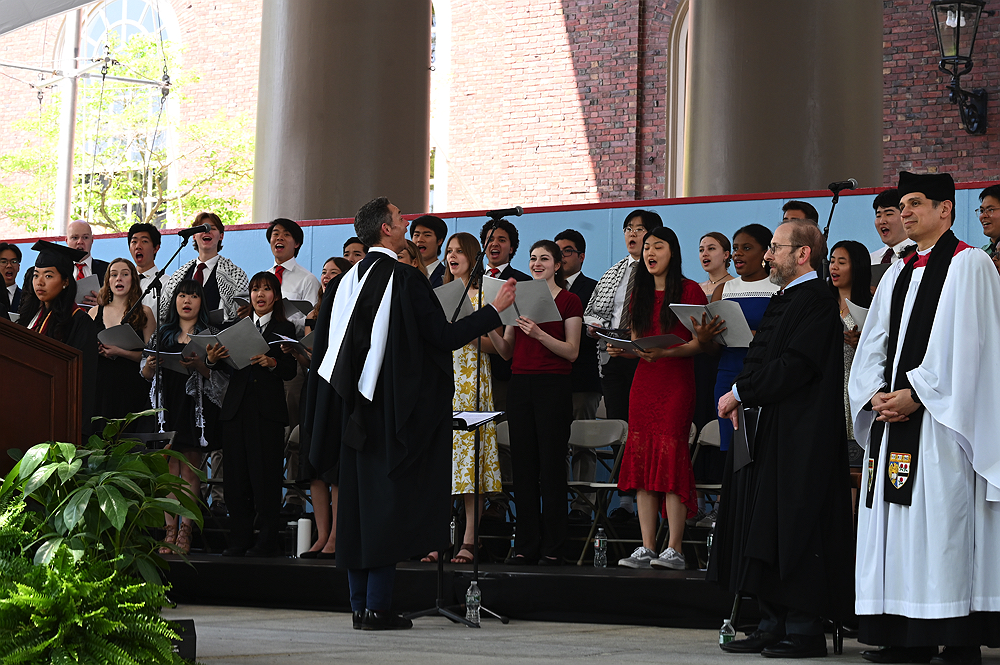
point(460, 251)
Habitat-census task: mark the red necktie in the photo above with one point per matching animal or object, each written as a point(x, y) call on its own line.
point(199, 274)
point(278, 272)
point(79, 270)
point(494, 272)
point(887, 257)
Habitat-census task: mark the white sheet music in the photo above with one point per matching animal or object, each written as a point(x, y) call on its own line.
point(737, 333)
point(533, 300)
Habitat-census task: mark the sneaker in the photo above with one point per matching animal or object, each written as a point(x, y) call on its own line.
point(621, 516)
point(640, 558)
point(708, 521)
point(693, 521)
point(670, 558)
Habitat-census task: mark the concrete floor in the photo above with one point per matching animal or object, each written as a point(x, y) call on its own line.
point(240, 635)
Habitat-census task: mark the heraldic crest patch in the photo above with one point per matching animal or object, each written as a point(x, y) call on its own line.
point(899, 469)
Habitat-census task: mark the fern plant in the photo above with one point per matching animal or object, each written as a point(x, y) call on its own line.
point(85, 611)
point(102, 498)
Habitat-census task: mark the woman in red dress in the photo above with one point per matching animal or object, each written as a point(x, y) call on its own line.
point(656, 462)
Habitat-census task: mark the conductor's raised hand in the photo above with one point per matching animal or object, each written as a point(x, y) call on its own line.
point(505, 296)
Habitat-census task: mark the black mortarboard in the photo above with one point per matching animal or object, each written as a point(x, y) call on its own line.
point(53, 255)
point(935, 186)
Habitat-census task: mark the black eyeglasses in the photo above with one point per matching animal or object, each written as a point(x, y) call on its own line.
point(571, 251)
point(774, 247)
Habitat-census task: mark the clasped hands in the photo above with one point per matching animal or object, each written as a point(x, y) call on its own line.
point(894, 407)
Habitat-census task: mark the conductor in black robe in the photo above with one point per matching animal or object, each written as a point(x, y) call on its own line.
point(785, 528)
point(379, 404)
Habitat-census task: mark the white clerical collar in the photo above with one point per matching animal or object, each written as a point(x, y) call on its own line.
point(289, 265)
point(801, 279)
point(262, 321)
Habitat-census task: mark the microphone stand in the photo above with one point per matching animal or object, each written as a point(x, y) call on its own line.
point(156, 346)
point(439, 608)
point(824, 273)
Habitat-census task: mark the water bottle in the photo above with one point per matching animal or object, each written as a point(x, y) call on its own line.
point(727, 633)
point(291, 538)
point(708, 546)
point(473, 598)
point(601, 549)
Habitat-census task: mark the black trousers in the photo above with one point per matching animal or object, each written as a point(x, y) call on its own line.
point(539, 413)
point(254, 451)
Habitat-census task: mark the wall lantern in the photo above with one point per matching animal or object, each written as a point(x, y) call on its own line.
point(955, 24)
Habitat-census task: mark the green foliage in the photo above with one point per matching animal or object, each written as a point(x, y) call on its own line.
point(86, 611)
point(126, 171)
point(101, 499)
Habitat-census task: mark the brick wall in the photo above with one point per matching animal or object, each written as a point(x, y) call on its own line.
point(922, 129)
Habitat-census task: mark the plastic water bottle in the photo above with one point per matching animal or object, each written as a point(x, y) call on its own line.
point(291, 538)
point(473, 599)
point(601, 549)
point(727, 633)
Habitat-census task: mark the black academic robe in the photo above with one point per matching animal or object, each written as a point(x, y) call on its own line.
point(586, 376)
point(15, 303)
point(395, 451)
point(785, 527)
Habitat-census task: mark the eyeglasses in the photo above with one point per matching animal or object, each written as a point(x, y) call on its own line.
point(635, 230)
point(570, 251)
point(774, 247)
point(988, 211)
point(9, 262)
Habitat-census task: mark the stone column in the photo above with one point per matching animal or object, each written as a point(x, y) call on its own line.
point(343, 107)
point(783, 95)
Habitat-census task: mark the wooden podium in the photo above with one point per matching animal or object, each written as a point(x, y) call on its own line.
point(42, 396)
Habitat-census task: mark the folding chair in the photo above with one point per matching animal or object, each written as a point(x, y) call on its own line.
point(596, 434)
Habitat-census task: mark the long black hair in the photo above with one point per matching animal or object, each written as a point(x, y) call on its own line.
point(861, 272)
point(62, 306)
point(171, 328)
point(643, 293)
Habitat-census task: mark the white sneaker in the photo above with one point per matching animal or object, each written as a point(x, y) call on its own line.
point(670, 558)
point(640, 558)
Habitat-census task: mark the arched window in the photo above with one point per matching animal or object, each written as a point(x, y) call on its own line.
point(118, 21)
point(677, 100)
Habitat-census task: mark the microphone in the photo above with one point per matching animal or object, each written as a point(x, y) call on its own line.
point(516, 211)
point(850, 183)
point(194, 230)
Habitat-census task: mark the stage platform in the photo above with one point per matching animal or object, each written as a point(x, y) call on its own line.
point(680, 599)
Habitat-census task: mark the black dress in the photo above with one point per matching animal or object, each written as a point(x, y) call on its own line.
point(120, 387)
point(180, 414)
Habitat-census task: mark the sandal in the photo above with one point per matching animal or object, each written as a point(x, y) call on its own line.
point(432, 557)
point(169, 539)
point(462, 558)
point(184, 537)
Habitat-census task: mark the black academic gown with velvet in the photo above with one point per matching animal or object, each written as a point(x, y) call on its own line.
point(395, 451)
point(785, 528)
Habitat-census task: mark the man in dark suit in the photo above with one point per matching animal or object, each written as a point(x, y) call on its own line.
point(586, 376)
point(499, 251)
point(10, 264)
point(379, 405)
point(428, 233)
point(80, 236)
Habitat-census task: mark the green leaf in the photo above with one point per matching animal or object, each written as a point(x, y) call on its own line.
point(67, 451)
point(112, 429)
point(67, 471)
point(76, 507)
point(125, 483)
point(32, 459)
point(47, 550)
point(39, 479)
point(148, 571)
point(113, 505)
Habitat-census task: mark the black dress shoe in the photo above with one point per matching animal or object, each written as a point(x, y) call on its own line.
point(357, 618)
point(518, 560)
point(550, 561)
point(797, 646)
point(958, 656)
point(900, 654)
point(384, 621)
point(755, 642)
point(235, 550)
point(326, 555)
point(313, 554)
point(261, 551)
point(621, 515)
